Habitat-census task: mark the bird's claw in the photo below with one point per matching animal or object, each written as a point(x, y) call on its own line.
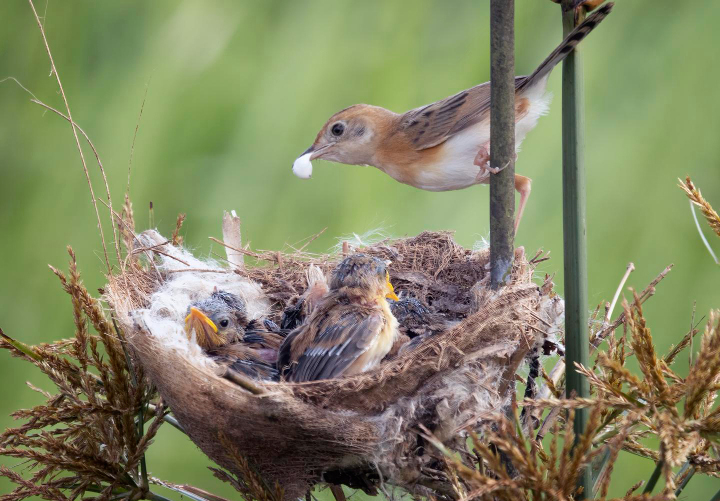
point(482, 160)
point(494, 170)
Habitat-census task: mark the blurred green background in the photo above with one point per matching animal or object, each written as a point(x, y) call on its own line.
point(237, 90)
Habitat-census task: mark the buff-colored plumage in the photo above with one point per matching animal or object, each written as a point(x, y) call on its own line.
point(444, 145)
point(350, 331)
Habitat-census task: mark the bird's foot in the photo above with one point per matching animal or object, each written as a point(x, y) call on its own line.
point(482, 160)
point(494, 170)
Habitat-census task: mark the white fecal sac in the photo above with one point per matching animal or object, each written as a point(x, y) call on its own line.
point(302, 167)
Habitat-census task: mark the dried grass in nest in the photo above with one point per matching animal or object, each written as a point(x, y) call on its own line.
point(430, 266)
point(358, 429)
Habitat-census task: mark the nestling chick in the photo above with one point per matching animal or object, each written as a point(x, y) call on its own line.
point(416, 319)
point(416, 324)
point(221, 328)
point(295, 315)
point(444, 145)
point(217, 320)
point(350, 330)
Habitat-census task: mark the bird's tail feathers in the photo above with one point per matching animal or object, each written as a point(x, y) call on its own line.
point(567, 45)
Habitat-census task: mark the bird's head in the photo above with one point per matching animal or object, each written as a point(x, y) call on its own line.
point(368, 273)
point(350, 136)
point(217, 320)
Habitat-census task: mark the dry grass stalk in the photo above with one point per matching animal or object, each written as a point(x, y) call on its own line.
point(650, 404)
point(696, 198)
point(99, 402)
point(705, 371)
point(77, 140)
point(323, 436)
point(103, 399)
point(232, 235)
point(86, 438)
point(625, 410)
point(177, 239)
point(540, 475)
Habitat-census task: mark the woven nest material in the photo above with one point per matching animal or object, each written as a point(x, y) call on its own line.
point(362, 429)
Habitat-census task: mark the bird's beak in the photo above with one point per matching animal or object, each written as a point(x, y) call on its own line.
point(302, 167)
point(315, 152)
point(206, 332)
point(311, 149)
point(391, 290)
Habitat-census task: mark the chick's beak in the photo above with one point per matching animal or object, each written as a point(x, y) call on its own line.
point(206, 332)
point(391, 290)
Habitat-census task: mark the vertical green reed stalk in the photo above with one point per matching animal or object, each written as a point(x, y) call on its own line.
point(502, 139)
point(575, 239)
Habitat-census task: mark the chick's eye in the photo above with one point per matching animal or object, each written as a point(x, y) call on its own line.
point(338, 129)
point(224, 322)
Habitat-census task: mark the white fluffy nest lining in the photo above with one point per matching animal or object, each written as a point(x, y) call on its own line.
point(358, 430)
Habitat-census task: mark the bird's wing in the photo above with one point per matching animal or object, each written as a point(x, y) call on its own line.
point(246, 360)
point(434, 123)
point(255, 370)
point(293, 316)
point(284, 353)
point(339, 342)
point(234, 351)
point(257, 336)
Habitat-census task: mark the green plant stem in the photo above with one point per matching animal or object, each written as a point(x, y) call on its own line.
point(687, 478)
point(20, 346)
point(502, 139)
point(143, 463)
point(165, 417)
point(574, 235)
point(122, 495)
point(156, 497)
point(174, 423)
point(654, 477)
point(91, 488)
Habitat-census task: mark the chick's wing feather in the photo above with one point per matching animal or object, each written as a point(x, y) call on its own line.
point(285, 353)
point(244, 359)
point(340, 340)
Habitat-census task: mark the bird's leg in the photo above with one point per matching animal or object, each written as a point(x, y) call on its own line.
point(482, 160)
point(522, 185)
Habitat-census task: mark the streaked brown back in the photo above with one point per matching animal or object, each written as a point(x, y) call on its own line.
point(434, 123)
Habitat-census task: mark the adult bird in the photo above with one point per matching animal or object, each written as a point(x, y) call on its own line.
point(221, 327)
point(350, 330)
point(445, 145)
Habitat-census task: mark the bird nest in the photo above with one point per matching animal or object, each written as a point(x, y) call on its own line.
point(360, 430)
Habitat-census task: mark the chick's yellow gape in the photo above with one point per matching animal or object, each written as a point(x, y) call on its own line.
point(220, 326)
point(444, 145)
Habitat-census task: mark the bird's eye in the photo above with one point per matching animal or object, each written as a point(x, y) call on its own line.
point(337, 129)
point(224, 322)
